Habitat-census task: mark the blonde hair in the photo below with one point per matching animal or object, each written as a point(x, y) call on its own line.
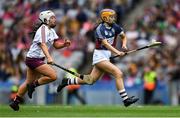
point(98, 21)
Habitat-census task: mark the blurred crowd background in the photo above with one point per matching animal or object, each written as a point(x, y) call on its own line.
point(152, 75)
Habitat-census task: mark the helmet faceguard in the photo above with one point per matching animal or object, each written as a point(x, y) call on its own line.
point(108, 16)
point(44, 16)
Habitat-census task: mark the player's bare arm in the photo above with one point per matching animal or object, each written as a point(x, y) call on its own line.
point(58, 45)
point(43, 37)
point(46, 52)
point(124, 40)
point(111, 48)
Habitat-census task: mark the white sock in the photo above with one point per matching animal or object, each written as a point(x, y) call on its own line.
point(72, 81)
point(123, 94)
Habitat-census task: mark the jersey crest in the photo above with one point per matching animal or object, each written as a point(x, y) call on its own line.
point(106, 33)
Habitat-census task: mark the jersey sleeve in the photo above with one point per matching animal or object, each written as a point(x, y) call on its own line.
point(99, 33)
point(40, 36)
point(118, 30)
point(55, 36)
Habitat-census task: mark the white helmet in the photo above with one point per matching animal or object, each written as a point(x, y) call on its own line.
point(45, 15)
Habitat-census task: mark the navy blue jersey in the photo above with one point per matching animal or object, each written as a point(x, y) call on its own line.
point(109, 33)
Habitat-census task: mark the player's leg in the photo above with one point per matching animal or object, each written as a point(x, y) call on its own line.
point(49, 75)
point(107, 66)
point(95, 74)
point(30, 77)
point(48, 72)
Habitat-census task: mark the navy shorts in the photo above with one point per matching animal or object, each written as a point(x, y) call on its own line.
point(33, 63)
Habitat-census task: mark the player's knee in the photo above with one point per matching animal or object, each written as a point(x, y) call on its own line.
point(118, 74)
point(53, 77)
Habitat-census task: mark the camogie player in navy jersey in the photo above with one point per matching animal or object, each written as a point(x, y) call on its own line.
point(39, 73)
point(106, 34)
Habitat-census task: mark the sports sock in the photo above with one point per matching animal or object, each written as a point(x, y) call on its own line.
point(72, 81)
point(18, 99)
point(123, 94)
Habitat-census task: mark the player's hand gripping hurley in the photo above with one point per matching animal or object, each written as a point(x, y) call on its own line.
point(144, 47)
point(65, 69)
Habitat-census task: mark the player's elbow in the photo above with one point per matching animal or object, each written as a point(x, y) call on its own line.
point(105, 43)
point(42, 45)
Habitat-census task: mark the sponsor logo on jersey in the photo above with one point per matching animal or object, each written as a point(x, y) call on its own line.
point(106, 33)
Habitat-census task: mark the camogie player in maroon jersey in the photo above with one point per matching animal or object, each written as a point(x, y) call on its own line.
point(39, 73)
point(106, 34)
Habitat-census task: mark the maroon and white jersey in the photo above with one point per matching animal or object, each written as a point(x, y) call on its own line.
point(43, 35)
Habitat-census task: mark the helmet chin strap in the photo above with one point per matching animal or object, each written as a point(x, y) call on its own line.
point(43, 21)
point(47, 22)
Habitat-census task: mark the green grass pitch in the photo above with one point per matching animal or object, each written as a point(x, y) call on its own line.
point(90, 111)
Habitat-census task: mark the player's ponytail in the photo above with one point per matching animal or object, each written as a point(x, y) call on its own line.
point(36, 26)
point(99, 21)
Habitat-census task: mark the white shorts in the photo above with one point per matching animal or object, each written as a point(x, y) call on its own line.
point(100, 55)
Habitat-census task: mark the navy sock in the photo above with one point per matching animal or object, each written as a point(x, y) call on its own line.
point(36, 83)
